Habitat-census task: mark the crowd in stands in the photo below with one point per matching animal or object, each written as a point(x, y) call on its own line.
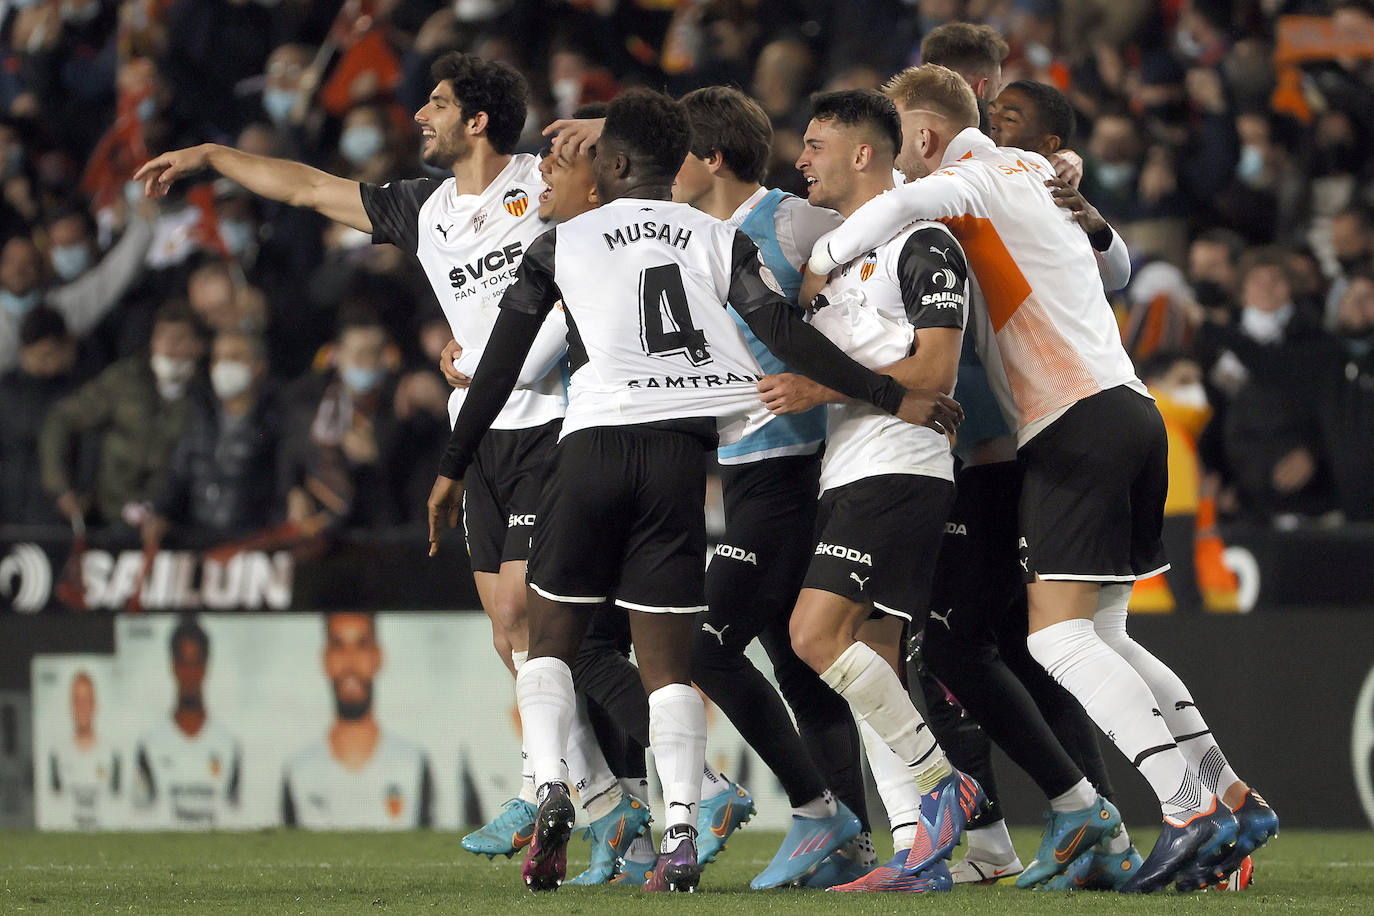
point(211, 361)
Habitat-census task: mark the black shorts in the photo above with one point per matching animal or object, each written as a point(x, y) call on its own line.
point(623, 514)
point(501, 493)
point(1092, 501)
point(877, 539)
point(757, 567)
point(978, 576)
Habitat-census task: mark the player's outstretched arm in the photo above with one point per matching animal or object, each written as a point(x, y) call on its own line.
point(938, 196)
point(290, 182)
point(1113, 258)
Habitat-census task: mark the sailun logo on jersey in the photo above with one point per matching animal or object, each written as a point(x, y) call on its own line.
point(515, 201)
point(869, 265)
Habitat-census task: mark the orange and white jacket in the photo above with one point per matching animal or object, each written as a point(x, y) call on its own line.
point(1058, 339)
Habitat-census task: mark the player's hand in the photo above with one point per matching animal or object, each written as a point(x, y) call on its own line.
point(1071, 199)
point(158, 174)
point(445, 504)
point(788, 392)
point(573, 137)
point(928, 407)
point(447, 365)
point(1294, 471)
point(1068, 165)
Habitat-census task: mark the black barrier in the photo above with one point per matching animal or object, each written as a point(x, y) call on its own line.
point(45, 570)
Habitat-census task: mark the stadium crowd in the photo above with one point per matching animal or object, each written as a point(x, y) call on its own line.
point(217, 362)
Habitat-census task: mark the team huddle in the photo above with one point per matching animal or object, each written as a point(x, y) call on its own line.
point(637, 299)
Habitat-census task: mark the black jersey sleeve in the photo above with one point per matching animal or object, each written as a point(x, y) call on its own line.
point(775, 322)
point(523, 307)
point(933, 275)
point(394, 209)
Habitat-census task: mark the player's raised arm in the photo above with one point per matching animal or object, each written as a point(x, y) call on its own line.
point(294, 183)
point(938, 196)
point(776, 323)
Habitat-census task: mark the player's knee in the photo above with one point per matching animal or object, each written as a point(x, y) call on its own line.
point(509, 615)
point(812, 642)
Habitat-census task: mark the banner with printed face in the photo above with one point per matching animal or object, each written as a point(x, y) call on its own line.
point(342, 721)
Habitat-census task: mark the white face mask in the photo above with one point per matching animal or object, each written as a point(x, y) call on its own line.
point(230, 378)
point(1265, 327)
point(1194, 395)
point(172, 374)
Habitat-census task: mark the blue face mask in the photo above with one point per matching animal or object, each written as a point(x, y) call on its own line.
point(70, 261)
point(17, 305)
point(1250, 168)
point(146, 109)
point(237, 235)
point(278, 103)
point(1116, 176)
point(362, 380)
point(360, 143)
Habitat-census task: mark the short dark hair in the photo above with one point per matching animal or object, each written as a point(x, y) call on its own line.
point(178, 311)
point(863, 108)
point(1053, 111)
point(358, 313)
point(726, 121)
point(651, 124)
point(1227, 238)
point(591, 110)
point(1161, 361)
point(189, 628)
point(487, 85)
point(42, 323)
point(964, 46)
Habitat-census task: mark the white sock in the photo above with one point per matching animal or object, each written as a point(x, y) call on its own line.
point(1176, 705)
point(991, 843)
point(873, 691)
point(713, 781)
point(591, 776)
point(860, 850)
point(1115, 845)
point(822, 805)
point(1079, 796)
point(899, 792)
point(544, 690)
point(635, 786)
point(1121, 704)
point(528, 790)
point(677, 736)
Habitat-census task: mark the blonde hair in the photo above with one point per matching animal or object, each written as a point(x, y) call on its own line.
point(936, 89)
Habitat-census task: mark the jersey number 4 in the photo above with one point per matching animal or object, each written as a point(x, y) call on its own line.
point(666, 327)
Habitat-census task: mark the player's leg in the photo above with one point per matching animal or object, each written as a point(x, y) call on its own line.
point(870, 532)
point(614, 818)
point(1256, 821)
point(751, 582)
point(1076, 519)
point(574, 561)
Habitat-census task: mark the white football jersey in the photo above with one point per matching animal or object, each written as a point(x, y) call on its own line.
point(1057, 336)
point(392, 792)
point(81, 785)
point(470, 246)
point(191, 782)
point(873, 308)
point(644, 285)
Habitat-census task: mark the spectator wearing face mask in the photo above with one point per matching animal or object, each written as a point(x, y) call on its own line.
point(1345, 398)
point(222, 478)
point(82, 296)
point(1197, 578)
point(135, 410)
point(47, 355)
point(337, 465)
point(1270, 436)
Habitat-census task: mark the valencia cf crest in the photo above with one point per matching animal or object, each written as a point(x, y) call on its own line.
point(515, 201)
point(393, 800)
point(869, 265)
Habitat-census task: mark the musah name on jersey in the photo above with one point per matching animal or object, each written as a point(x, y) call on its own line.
point(647, 231)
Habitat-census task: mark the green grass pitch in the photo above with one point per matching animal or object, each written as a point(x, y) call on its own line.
point(292, 872)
